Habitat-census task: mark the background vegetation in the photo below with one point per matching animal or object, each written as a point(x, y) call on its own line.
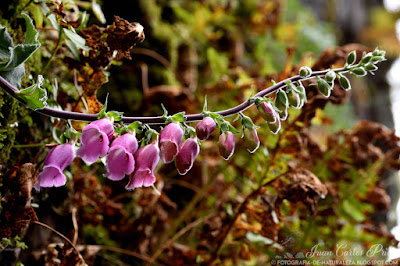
point(323, 180)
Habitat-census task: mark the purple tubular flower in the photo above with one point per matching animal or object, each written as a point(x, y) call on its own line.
point(267, 112)
point(205, 127)
point(170, 137)
point(120, 157)
point(146, 159)
point(226, 144)
point(95, 139)
point(56, 161)
point(251, 140)
point(188, 151)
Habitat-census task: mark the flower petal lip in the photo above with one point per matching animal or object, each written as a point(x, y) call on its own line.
point(128, 141)
point(188, 151)
point(205, 127)
point(146, 159)
point(94, 145)
point(56, 161)
point(169, 139)
point(51, 176)
point(226, 144)
point(119, 162)
point(103, 125)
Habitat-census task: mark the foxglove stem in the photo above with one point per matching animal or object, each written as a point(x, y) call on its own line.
point(159, 120)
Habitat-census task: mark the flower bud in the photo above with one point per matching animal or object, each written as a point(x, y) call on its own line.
point(344, 82)
point(205, 127)
point(56, 161)
point(324, 87)
point(366, 58)
point(305, 72)
point(251, 140)
point(371, 67)
point(95, 139)
point(276, 126)
point(120, 159)
point(170, 137)
point(267, 111)
point(226, 144)
point(146, 159)
point(188, 151)
point(282, 102)
point(358, 71)
point(351, 58)
point(330, 76)
point(294, 99)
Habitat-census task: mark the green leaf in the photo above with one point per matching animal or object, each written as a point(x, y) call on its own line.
point(5, 42)
point(14, 76)
point(31, 33)
point(34, 96)
point(179, 117)
point(77, 40)
point(13, 57)
point(134, 127)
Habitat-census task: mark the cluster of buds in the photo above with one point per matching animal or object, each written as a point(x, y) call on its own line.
point(177, 142)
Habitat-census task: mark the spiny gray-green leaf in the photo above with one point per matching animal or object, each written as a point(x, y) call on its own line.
point(34, 96)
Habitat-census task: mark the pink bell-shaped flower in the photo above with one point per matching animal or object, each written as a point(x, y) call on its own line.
point(56, 161)
point(120, 159)
point(188, 151)
point(95, 140)
point(170, 137)
point(226, 144)
point(205, 127)
point(146, 159)
point(251, 140)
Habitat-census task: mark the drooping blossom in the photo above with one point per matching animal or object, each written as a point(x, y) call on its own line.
point(251, 140)
point(188, 151)
point(205, 127)
point(120, 159)
point(267, 112)
point(56, 161)
point(146, 159)
point(170, 137)
point(95, 140)
point(226, 144)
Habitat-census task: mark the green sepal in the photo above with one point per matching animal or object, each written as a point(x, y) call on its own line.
point(134, 127)
point(205, 104)
point(281, 99)
point(34, 96)
point(114, 115)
